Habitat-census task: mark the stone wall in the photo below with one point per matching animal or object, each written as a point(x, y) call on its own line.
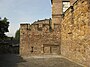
point(38, 38)
point(75, 32)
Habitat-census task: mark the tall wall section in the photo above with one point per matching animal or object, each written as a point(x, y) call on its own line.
point(75, 32)
point(39, 39)
point(24, 41)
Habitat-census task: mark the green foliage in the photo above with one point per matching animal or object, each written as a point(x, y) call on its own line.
point(17, 35)
point(4, 24)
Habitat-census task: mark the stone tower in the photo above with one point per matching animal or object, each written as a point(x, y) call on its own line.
point(58, 7)
point(56, 12)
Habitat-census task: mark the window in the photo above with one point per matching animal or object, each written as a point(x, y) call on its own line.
point(66, 5)
point(31, 49)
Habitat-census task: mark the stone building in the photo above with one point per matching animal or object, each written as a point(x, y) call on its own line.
point(68, 33)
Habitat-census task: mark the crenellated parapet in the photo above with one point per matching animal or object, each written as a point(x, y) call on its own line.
point(41, 25)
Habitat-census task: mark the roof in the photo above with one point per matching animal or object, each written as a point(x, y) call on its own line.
point(45, 21)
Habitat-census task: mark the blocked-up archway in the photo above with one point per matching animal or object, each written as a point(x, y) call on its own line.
point(51, 49)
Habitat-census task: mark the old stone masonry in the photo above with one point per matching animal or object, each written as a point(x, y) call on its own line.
point(66, 34)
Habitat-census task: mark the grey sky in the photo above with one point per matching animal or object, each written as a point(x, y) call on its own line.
point(18, 11)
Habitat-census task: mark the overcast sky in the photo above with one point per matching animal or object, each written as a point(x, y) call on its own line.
point(27, 11)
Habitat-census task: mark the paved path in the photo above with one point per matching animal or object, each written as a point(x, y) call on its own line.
point(36, 61)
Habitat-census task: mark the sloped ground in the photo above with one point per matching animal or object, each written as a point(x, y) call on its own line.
point(13, 60)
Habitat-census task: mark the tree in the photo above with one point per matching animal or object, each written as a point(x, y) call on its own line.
point(4, 24)
point(17, 35)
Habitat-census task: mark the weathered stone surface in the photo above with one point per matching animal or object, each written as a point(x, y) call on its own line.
point(39, 38)
point(75, 41)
